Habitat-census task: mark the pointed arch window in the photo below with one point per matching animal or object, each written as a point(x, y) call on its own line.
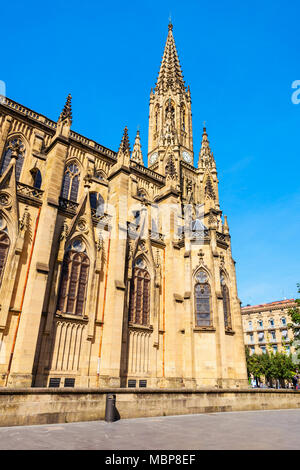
point(15, 145)
point(36, 177)
point(99, 175)
point(70, 184)
point(139, 309)
point(97, 204)
point(74, 279)
point(4, 246)
point(226, 302)
point(202, 299)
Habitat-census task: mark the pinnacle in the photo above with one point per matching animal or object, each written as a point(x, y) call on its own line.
point(124, 145)
point(137, 150)
point(67, 111)
point(205, 148)
point(205, 153)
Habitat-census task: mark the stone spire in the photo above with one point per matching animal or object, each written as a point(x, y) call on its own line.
point(206, 157)
point(170, 74)
point(123, 155)
point(225, 226)
point(124, 145)
point(137, 150)
point(67, 111)
point(65, 119)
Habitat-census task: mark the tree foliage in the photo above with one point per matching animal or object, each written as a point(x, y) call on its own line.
point(278, 366)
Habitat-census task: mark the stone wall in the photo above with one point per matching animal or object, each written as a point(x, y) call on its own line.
point(46, 406)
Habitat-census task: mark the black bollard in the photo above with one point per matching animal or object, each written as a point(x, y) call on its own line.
point(111, 413)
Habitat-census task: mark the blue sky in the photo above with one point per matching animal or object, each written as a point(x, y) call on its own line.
point(239, 58)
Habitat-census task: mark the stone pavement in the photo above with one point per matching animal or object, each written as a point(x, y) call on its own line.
point(272, 429)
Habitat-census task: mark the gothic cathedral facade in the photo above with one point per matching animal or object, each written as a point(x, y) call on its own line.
point(114, 274)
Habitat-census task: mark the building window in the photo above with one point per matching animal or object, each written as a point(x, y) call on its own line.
point(260, 324)
point(139, 309)
point(71, 183)
point(74, 279)
point(271, 322)
point(16, 147)
point(250, 326)
point(252, 350)
point(226, 302)
point(283, 321)
point(97, 204)
point(261, 337)
point(284, 334)
point(251, 338)
point(263, 349)
point(36, 177)
point(4, 247)
point(273, 334)
point(287, 349)
point(202, 299)
point(275, 349)
point(99, 175)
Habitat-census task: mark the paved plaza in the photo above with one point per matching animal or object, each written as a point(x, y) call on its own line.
point(275, 429)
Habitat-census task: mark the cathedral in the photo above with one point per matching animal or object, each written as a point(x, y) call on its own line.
point(113, 273)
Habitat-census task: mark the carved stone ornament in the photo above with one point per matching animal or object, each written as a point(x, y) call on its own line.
point(82, 226)
point(170, 168)
point(64, 232)
point(130, 249)
point(5, 199)
point(209, 191)
point(143, 246)
point(212, 221)
point(99, 244)
point(201, 257)
point(222, 260)
point(24, 220)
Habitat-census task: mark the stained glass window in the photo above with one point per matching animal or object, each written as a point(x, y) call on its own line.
point(202, 300)
point(226, 303)
point(139, 309)
point(15, 145)
point(71, 183)
point(37, 178)
point(97, 204)
point(74, 279)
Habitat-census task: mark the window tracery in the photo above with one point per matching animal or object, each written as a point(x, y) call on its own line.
point(226, 302)
point(70, 184)
point(74, 279)
point(202, 299)
point(14, 148)
point(139, 309)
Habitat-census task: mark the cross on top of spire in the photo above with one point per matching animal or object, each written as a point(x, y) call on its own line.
point(170, 74)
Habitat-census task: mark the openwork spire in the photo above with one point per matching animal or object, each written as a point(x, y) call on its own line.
point(170, 74)
point(67, 111)
point(124, 145)
point(206, 158)
point(137, 150)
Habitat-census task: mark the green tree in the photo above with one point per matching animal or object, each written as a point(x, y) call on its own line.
point(278, 366)
point(284, 367)
point(254, 366)
point(294, 314)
